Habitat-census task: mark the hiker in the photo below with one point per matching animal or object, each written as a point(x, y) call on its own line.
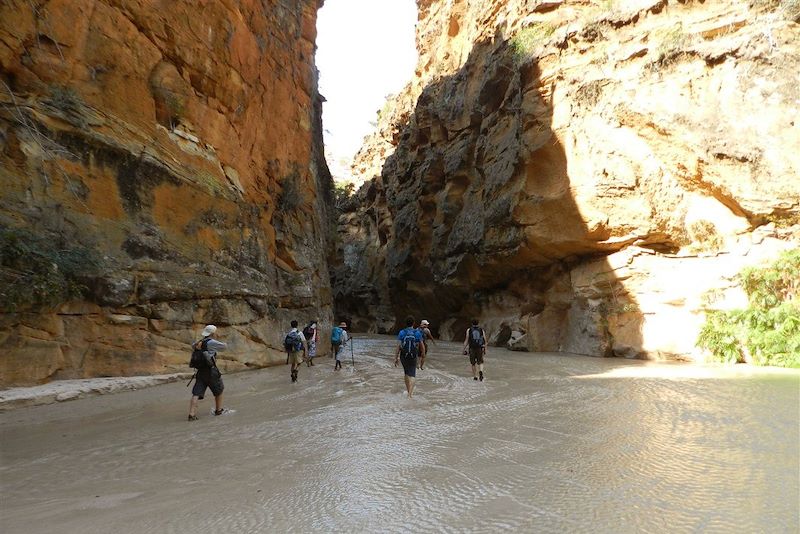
point(295, 345)
point(426, 335)
point(339, 339)
point(475, 340)
point(207, 375)
point(408, 349)
point(312, 338)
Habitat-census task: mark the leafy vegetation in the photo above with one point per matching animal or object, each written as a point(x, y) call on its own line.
point(524, 43)
point(705, 237)
point(343, 191)
point(38, 271)
point(673, 43)
point(767, 332)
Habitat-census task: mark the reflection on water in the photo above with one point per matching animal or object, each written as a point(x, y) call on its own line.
point(545, 444)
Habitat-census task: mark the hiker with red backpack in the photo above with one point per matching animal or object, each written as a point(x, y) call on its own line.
point(475, 341)
point(207, 375)
point(409, 349)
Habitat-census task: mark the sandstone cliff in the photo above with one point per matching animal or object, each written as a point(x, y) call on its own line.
point(169, 156)
point(585, 177)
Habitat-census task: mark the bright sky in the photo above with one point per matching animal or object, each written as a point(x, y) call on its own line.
point(365, 51)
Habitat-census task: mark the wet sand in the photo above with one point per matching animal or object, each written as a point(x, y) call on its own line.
point(548, 443)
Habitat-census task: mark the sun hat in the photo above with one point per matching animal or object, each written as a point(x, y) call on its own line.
point(209, 329)
point(424, 322)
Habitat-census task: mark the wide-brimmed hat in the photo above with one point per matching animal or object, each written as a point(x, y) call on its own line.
point(343, 324)
point(424, 322)
point(209, 329)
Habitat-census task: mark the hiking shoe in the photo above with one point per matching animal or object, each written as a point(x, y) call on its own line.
point(481, 375)
point(474, 377)
point(192, 418)
point(220, 411)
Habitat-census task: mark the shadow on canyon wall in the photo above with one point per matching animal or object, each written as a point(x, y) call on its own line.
point(473, 217)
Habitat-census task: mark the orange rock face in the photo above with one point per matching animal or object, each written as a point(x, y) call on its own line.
point(179, 145)
point(552, 161)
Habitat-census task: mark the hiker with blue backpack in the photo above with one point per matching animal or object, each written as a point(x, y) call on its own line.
point(409, 348)
point(295, 345)
point(339, 339)
point(475, 341)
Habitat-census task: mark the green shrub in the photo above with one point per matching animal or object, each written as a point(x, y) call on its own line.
point(523, 44)
point(768, 330)
point(343, 191)
point(705, 237)
point(674, 42)
point(38, 271)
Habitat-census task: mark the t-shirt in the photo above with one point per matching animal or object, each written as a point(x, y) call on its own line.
point(415, 331)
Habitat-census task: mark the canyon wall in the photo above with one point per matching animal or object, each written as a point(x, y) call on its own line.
point(162, 168)
point(585, 177)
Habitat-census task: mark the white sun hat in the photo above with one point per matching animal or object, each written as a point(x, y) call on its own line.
point(209, 329)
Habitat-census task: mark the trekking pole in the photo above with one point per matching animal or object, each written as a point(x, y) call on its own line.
point(352, 358)
point(190, 380)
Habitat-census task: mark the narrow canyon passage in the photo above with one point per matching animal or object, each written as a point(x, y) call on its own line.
point(548, 443)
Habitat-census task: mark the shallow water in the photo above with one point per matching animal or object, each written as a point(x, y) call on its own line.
point(548, 443)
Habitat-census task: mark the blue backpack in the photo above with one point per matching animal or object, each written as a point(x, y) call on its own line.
point(409, 346)
point(336, 335)
point(292, 342)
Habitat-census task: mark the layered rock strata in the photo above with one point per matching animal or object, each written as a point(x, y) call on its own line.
point(581, 176)
point(176, 151)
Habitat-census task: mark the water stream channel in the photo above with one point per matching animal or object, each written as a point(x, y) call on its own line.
point(548, 443)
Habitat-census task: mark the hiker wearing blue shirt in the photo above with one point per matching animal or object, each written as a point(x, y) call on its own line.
point(339, 339)
point(409, 349)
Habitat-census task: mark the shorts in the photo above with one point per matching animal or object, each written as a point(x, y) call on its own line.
point(296, 357)
point(476, 355)
point(409, 366)
point(213, 381)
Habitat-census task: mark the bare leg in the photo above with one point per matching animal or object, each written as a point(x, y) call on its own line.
point(475, 371)
point(218, 402)
point(409, 385)
point(193, 406)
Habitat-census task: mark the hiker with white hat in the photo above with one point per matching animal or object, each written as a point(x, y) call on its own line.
point(208, 375)
point(426, 335)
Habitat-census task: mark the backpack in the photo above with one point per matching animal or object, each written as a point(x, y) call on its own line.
point(476, 337)
point(308, 332)
point(198, 359)
point(292, 342)
point(336, 335)
point(408, 344)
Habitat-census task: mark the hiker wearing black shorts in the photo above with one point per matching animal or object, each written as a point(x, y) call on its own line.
point(408, 349)
point(207, 375)
point(475, 341)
